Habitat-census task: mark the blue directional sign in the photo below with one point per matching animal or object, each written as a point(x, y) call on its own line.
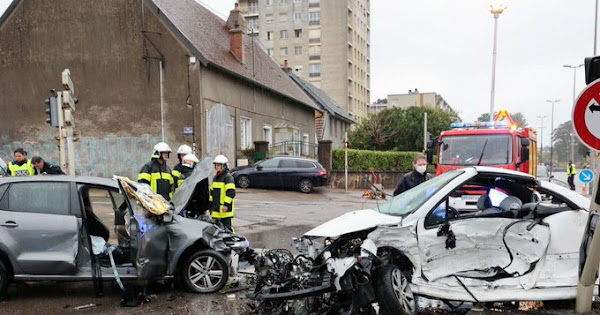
point(586, 176)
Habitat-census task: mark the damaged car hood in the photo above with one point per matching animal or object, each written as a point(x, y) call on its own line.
point(353, 222)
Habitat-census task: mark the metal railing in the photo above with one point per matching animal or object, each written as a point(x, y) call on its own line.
point(294, 148)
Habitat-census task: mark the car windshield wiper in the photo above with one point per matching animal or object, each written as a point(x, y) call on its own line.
point(482, 152)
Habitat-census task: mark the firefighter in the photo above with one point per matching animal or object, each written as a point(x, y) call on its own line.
point(199, 202)
point(571, 171)
point(187, 167)
point(222, 192)
point(181, 152)
point(156, 173)
point(20, 166)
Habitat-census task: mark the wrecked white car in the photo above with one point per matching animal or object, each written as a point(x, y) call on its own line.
point(520, 241)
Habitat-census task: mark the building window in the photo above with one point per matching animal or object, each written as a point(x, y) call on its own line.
point(298, 33)
point(297, 1)
point(283, 34)
point(284, 51)
point(253, 6)
point(268, 133)
point(269, 2)
point(297, 16)
point(245, 133)
point(314, 17)
point(315, 70)
point(305, 144)
point(253, 24)
point(314, 36)
point(270, 52)
point(283, 1)
point(298, 50)
point(269, 35)
point(269, 18)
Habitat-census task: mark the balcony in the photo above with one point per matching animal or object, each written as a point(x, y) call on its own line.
point(314, 40)
point(314, 22)
point(314, 5)
point(315, 57)
point(249, 13)
point(315, 75)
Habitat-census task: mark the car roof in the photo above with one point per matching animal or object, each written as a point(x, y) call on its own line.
point(293, 158)
point(62, 178)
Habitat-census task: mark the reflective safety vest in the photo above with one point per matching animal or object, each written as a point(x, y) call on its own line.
point(24, 169)
point(571, 169)
point(222, 192)
point(158, 177)
point(177, 174)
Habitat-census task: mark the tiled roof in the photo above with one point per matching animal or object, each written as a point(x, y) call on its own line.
point(207, 36)
point(322, 99)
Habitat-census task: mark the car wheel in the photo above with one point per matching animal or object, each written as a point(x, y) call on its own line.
point(205, 271)
point(4, 278)
point(243, 181)
point(305, 186)
point(393, 292)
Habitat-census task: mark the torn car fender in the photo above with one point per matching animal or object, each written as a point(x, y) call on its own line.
point(401, 238)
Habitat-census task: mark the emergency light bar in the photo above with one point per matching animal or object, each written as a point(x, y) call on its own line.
point(479, 124)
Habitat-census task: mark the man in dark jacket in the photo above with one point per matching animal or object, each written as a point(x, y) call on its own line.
point(43, 168)
point(414, 178)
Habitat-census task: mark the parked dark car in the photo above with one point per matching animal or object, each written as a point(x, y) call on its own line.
point(282, 172)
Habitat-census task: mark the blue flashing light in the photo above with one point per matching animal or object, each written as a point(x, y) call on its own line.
point(457, 125)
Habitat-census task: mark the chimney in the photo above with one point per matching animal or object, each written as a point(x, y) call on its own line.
point(236, 24)
point(286, 66)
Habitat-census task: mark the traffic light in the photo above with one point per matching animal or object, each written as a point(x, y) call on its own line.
point(52, 111)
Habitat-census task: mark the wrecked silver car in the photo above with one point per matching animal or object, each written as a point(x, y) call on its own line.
point(519, 242)
point(51, 229)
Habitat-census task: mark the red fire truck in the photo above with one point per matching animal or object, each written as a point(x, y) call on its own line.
point(498, 143)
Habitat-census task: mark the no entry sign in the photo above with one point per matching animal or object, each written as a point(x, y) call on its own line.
point(586, 116)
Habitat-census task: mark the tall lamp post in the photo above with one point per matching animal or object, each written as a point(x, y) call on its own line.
point(551, 136)
point(542, 138)
point(496, 8)
point(574, 95)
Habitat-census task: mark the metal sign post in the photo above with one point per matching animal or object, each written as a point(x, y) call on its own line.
point(346, 160)
point(586, 122)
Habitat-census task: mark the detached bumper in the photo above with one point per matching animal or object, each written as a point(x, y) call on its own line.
point(277, 295)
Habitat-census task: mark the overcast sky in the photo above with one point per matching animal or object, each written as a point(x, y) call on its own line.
point(446, 47)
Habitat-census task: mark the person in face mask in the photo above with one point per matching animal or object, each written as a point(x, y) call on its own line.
point(414, 178)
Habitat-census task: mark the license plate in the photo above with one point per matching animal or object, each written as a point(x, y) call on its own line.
point(470, 198)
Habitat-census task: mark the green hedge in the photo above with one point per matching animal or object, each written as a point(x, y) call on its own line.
point(377, 160)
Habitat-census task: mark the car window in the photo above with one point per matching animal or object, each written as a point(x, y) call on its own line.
point(288, 164)
point(2, 190)
point(305, 164)
point(270, 163)
point(42, 197)
point(410, 200)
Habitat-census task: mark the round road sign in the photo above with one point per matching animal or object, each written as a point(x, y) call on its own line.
point(586, 116)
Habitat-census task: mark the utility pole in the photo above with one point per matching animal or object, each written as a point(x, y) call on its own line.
point(542, 138)
point(346, 145)
point(551, 136)
point(424, 132)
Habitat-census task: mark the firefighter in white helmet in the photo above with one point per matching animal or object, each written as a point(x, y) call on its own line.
point(157, 173)
point(199, 202)
point(222, 192)
point(182, 151)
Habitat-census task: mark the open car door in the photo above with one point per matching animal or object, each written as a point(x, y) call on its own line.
point(148, 235)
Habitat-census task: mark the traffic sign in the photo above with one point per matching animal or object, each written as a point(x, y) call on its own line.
point(586, 176)
point(586, 116)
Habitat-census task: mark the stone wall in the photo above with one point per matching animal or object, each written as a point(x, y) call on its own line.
point(362, 179)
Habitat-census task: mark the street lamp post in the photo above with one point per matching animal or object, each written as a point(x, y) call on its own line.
point(542, 138)
point(551, 136)
point(574, 95)
point(496, 9)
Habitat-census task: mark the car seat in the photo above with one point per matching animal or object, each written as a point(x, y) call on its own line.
point(94, 225)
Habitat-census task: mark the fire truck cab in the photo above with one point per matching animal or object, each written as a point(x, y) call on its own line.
point(499, 143)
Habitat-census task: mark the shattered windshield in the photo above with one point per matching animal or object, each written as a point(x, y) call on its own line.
point(410, 200)
point(476, 150)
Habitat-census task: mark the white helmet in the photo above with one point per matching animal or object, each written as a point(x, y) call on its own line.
point(162, 147)
point(189, 160)
point(220, 159)
point(184, 149)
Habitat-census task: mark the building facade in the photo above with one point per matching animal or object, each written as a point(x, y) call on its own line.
point(142, 69)
point(416, 98)
point(326, 43)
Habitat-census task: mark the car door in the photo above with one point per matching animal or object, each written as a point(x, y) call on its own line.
point(288, 172)
point(265, 174)
point(39, 228)
point(483, 245)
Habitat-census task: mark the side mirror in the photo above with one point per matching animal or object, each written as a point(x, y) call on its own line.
point(258, 167)
point(524, 154)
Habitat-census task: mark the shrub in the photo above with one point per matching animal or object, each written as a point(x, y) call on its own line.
point(376, 160)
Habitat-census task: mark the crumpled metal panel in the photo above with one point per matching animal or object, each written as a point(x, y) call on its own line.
point(185, 232)
point(526, 247)
point(183, 194)
point(151, 259)
point(402, 238)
